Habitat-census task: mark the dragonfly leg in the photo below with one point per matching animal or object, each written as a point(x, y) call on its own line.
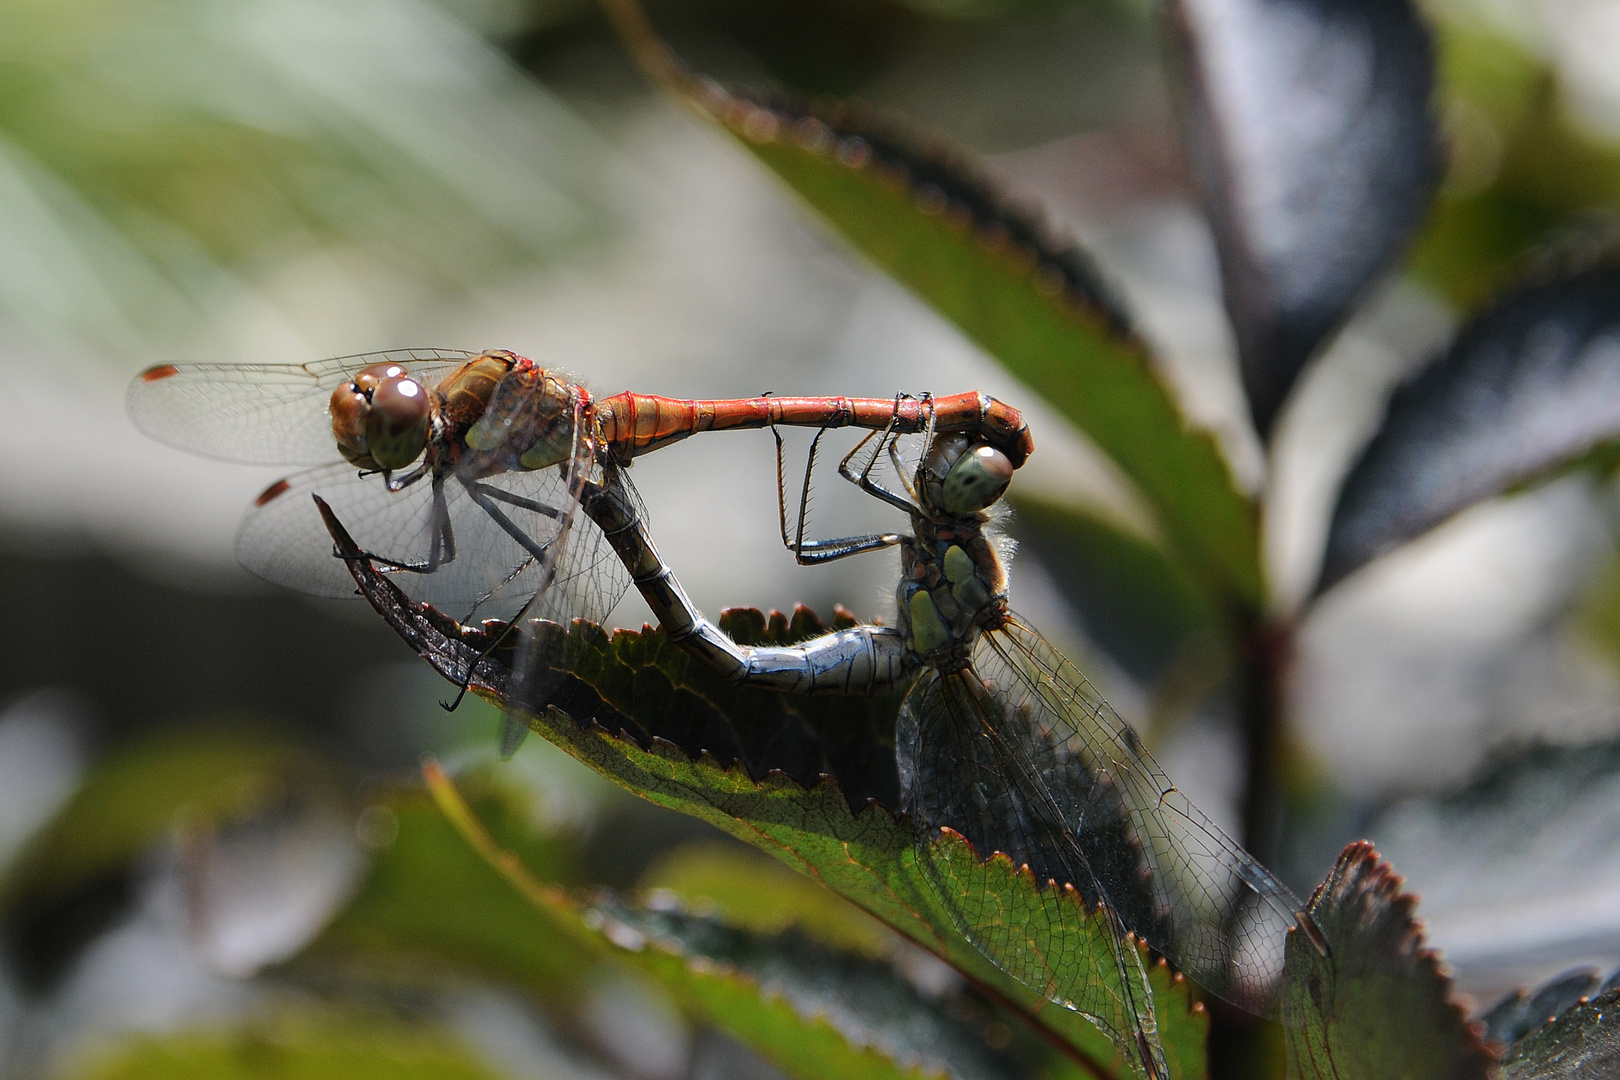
point(900, 468)
point(863, 479)
point(403, 482)
point(531, 505)
point(812, 552)
point(441, 551)
point(487, 496)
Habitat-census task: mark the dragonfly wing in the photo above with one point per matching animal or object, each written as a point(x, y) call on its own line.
point(953, 773)
point(283, 540)
point(261, 414)
point(1104, 814)
point(530, 460)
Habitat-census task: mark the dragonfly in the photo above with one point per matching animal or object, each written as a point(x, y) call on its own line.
point(463, 471)
point(1003, 741)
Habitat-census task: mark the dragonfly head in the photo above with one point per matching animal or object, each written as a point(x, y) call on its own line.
point(381, 418)
point(963, 477)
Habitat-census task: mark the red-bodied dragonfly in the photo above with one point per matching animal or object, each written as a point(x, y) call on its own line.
point(463, 471)
point(1002, 740)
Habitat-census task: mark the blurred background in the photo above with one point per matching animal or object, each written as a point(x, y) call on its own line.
point(286, 180)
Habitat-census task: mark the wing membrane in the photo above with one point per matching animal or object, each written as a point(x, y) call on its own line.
point(1072, 792)
point(480, 571)
point(262, 414)
point(964, 764)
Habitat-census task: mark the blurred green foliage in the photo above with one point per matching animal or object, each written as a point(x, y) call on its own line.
point(154, 157)
point(1521, 168)
point(149, 159)
point(324, 1045)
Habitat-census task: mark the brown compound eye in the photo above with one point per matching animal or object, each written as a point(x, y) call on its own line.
point(976, 480)
point(380, 419)
point(350, 407)
point(370, 377)
point(397, 427)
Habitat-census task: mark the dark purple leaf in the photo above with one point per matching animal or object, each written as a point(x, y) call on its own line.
point(1377, 1004)
point(1529, 388)
point(1309, 125)
point(1522, 1012)
point(1582, 1041)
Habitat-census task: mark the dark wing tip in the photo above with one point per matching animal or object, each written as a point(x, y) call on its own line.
point(274, 491)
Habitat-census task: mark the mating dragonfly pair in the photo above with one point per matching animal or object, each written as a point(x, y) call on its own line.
point(499, 489)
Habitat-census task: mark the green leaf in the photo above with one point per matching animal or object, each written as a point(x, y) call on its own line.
point(923, 212)
point(291, 1048)
point(431, 903)
point(150, 156)
point(643, 713)
point(813, 1010)
point(1583, 1040)
point(141, 795)
point(764, 896)
point(1377, 1006)
point(755, 893)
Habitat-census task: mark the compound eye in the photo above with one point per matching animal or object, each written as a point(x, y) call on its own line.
point(351, 408)
point(976, 480)
point(368, 378)
point(397, 425)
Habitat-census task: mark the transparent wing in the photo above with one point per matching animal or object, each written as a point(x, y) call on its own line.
point(462, 558)
point(577, 574)
point(1026, 754)
point(261, 414)
point(954, 771)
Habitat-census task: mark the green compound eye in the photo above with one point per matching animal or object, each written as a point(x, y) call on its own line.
point(976, 480)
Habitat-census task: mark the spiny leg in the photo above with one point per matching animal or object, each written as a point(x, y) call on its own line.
point(813, 552)
point(863, 479)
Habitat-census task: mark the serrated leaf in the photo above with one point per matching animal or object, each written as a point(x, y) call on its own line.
point(923, 211)
point(290, 1048)
point(1508, 864)
point(1377, 1006)
point(1310, 127)
point(814, 1010)
point(1582, 1041)
point(1529, 388)
point(623, 694)
point(1522, 1012)
point(748, 894)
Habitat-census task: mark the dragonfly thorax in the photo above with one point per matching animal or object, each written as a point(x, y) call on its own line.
point(953, 587)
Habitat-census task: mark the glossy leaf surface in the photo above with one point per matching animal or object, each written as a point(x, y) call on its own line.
point(1309, 125)
point(644, 714)
point(813, 1010)
point(1528, 389)
point(1377, 1007)
point(1509, 864)
point(1581, 1041)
